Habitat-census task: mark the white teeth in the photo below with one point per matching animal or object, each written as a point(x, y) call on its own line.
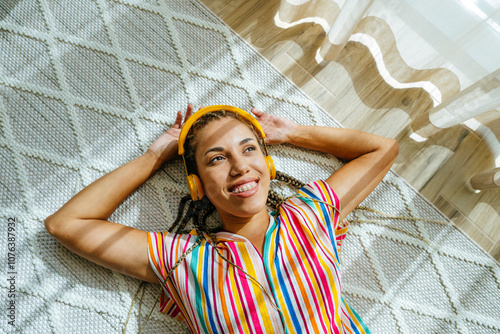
point(246, 187)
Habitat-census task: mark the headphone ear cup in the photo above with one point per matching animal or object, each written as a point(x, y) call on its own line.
point(270, 166)
point(195, 187)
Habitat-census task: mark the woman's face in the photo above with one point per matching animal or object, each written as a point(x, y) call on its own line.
point(232, 168)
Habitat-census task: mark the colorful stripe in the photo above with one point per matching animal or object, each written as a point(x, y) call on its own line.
point(300, 270)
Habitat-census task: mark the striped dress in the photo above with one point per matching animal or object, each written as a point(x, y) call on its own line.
point(299, 269)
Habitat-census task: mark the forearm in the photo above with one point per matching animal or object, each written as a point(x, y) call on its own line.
point(101, 198)
point(370, 158)
point(343, 143)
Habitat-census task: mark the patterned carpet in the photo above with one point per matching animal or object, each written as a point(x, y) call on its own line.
point(86, 86)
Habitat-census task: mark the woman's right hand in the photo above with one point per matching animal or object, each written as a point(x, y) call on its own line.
point(165, 147)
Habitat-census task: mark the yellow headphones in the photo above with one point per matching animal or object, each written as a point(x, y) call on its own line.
point(194, 183)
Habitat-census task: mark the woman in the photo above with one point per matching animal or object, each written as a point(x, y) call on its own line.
point(260, 273)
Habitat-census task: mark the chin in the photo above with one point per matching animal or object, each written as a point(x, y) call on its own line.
point(246, 208)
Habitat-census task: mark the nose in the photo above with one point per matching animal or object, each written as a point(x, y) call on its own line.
point(239, 165)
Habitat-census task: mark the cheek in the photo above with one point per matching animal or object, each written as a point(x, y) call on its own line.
point(213, 180)
point(263, 167)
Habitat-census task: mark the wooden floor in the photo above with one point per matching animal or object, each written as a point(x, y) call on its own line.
point(352, 90)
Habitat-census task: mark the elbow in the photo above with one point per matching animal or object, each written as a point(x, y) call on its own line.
point(50, 224)
point(389, 150)
point(393, 148)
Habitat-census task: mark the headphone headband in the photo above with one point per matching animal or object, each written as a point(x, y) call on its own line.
point(197, 115)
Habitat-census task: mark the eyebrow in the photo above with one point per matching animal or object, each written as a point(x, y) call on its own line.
point(220, 149)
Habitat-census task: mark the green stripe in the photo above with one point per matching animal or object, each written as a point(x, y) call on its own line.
point(195, 254)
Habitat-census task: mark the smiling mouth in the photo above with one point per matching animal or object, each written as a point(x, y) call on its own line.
point(246, 187)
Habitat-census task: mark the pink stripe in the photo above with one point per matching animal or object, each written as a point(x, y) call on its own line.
point(247, 293)
point(232, 299)
point(314, 269)
point(160, 259)
point(172, 254)
point(175, 312)
point(327, 255)
point(213, 256)
point(187, 292)
point(297, 276)
point(319, 274)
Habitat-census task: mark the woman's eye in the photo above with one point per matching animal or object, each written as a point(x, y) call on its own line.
point(251, 148)
point(215, 159)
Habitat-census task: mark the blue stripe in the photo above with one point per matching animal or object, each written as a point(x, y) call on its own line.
point(325, 211)
point(275, 228)
point(290, 308)
point(357, 317)
point(199, 307)
point(206, 288)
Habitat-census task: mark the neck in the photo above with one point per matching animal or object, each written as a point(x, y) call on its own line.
point(253, 228)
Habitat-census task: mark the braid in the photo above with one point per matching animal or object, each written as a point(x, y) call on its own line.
point(199, 211)
point(182, 204)
point(274, 200)
point(289, 179)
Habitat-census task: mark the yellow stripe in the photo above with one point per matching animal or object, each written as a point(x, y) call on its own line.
point(330, 278)
point(233, 272)
point(309, 270)
point(303, 292)
point(354, 319)
point(203, 296)
point(224, 305)
point(256, 291)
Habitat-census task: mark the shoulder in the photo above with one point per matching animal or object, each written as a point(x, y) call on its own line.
point(164, 248)
point(316, 193)
point(319, 190)
point(165, 237)
point(315, 198)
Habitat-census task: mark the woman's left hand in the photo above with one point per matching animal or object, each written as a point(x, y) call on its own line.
point(278, 130)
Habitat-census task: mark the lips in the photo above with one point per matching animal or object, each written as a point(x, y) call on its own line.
point(243, 185)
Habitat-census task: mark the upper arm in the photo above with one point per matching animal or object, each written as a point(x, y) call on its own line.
point(112, 245)
point(354, 181)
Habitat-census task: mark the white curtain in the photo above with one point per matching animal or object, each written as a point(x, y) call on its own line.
point(450, 48)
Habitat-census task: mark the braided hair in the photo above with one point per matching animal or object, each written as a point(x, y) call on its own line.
point(198, 211)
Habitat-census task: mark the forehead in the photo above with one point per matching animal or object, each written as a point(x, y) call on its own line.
point(222, 130)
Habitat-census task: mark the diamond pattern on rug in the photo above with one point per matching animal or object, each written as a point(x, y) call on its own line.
point(149, 36)
point(80, 19)
point(152, 85)
point(27, 60)
point(23, 13)
point(47, 119)
point(104, 82)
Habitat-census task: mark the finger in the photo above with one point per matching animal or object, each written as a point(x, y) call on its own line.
point(256, 112)
point(189, 108)
point(178, 120)
point(201, 108)
point(189, 112)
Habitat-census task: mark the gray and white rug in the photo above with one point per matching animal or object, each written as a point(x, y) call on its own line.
point(86, 86)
